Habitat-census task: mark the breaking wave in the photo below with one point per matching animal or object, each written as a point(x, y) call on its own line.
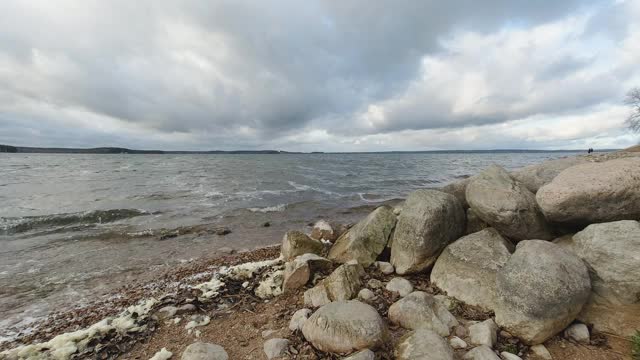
point(18, 225)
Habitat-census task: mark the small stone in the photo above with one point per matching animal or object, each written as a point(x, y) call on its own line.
point(509, 356)
point(186, 309)
point(298, 319)
point(578, 333)
point(541, 351)
point(275, 348)
point(375, 284)
point(267, 334)
point(204, 351)
point(226, 250)
point(423, 344)
point(484, 333)
point(167, 312)
point(460, 331)
point(421, 310)
point(457, 343)
point(366, 295)
point(384, 267)
point(481, 353)
point(365, 354)
point(400, 285)
point(222, 230)
point(266, 224)
point(163, 354)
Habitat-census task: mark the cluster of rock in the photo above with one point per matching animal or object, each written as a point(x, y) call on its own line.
point(547, 249)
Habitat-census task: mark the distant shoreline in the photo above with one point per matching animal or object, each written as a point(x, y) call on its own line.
point(120, 150)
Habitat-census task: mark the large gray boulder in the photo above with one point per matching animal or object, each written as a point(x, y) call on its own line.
point(423, 344)
point(540, 290)
point(474, 223)
point(345, 326)
point(594, 192)
point(467, 269)
point(204, 351)
point(612, 252)
point(296, 243)
point(459, 190)
point(507, 205)
point(421, 310)
point(429, 221)
point(365, 240)
point(536, 176)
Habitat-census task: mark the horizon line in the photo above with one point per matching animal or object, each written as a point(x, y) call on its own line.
point(118, 149)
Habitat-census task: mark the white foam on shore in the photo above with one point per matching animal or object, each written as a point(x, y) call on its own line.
point(63, 346)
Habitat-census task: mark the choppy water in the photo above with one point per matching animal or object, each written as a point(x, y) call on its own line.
point(73, 227)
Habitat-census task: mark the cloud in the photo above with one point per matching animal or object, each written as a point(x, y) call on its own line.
point(313, 75)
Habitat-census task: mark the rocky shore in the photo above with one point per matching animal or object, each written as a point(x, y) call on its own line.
point(539, 263)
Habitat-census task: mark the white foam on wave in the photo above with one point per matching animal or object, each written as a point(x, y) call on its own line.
point(268, 209)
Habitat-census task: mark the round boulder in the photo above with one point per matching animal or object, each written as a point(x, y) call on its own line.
point(594, 192)
point(344, 327)
point(540, 290)
point(421, 310)
point(536, 176)
point(423, 344)
point(429, 221)
point(466, 269)
point(365, 240)
point(507, 205)
point(612, 252)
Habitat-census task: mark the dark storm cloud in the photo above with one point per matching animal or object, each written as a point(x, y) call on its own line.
point(245, 73)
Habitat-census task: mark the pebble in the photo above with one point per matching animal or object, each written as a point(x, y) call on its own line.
point(578, 333)
point(481, 353)
point(185, 309)
point(400, 285)
point(541, 351)
point(484, 333)
point(385, 267)
point(275, 348)
point(366, 295)
point(375, 284)
point(509, 356)
point(457, 343)
point(298, 319)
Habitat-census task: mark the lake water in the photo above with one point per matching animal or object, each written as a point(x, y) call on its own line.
point(74, 227)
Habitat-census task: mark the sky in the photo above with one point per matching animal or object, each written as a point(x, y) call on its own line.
point(318, 75)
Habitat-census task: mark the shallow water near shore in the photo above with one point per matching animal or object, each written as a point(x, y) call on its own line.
point(75, 227)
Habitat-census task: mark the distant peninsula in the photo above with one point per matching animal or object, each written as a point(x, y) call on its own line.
point(120, 150)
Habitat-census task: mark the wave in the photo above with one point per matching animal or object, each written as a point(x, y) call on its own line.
point(276, 208)
point(10, 226)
